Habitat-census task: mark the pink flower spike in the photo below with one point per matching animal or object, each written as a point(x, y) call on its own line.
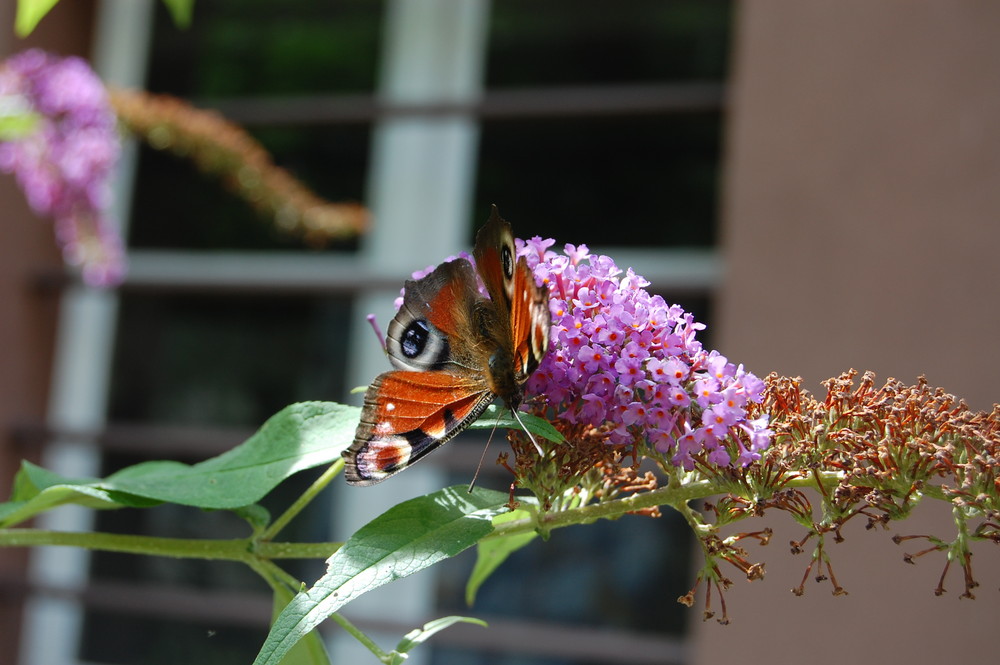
point(65, 165)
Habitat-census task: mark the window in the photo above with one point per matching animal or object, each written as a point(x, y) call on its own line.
point(581, 124)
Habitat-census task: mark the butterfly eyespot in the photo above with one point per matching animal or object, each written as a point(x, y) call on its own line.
point(414, 338)
point(507, 259)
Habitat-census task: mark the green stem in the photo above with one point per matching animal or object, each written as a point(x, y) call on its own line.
point(280, 581)
point(675, 496)
point(293, 510)
point(239, 549)
point(360, 636)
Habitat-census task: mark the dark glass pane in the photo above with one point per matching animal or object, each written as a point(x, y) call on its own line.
point(644, 182)
point(226, 360)
point(261, 47)
point(125, 638)
point(562, 42)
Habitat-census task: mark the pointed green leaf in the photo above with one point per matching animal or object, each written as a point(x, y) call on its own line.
point(15, 512)
point(309, 651)
point(180, 11)
point(405, 539)
point(421, 635)
point(491, 553)
point(300, 436)
point(37, 490)
point(29, 13)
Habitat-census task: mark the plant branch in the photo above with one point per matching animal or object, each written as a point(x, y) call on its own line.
point(318, 486)
point(239, 549)
point(671, 495)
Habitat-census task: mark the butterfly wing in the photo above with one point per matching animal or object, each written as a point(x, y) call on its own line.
point(530, 321)
point(522, 305)
point(441, 385)
point(434, 329)
point(406, 415)
point(496, 259)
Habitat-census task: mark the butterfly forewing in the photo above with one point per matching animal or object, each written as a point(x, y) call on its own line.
point(495, 259)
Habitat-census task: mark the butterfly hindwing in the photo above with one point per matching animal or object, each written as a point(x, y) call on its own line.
point(530, 319)
point(407, 415)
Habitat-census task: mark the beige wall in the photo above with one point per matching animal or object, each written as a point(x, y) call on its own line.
point(862, 228)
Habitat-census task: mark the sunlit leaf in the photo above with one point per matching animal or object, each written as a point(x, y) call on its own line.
point(420, 635)
point(180, 11)
point(407, 538)
point(29, 13)
point(310, 650)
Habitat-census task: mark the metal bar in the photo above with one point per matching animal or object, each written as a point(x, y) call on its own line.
point(299, 273)
point(534, 103)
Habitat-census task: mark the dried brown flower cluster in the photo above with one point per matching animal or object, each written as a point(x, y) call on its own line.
point(220, 148)
point(868, 451)
point(583, 470)
point(862, 450)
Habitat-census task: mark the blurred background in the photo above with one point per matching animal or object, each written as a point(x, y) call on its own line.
point(818, 182)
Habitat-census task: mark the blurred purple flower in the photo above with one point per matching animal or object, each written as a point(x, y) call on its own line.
point(65, 163)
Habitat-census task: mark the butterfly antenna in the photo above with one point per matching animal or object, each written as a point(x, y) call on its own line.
point(373, 322)
point(541, 452)
point(482, 457)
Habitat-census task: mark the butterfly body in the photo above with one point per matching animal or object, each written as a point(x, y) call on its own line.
point(455, 351)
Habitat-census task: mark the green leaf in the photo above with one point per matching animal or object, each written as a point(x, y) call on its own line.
point(309, 651)
point(180, 11)
point(406, 538)
point(17, 511)
point(497, 416)
point(29, 13)
point(491, 553)
point(298, 437)
point(256, 515)
point(420, 635)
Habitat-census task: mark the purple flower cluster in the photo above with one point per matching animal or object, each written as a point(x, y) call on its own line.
point(623, 357)
point(65, 163)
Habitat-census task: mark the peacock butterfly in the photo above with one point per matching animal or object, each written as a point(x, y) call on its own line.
point(455, 352)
